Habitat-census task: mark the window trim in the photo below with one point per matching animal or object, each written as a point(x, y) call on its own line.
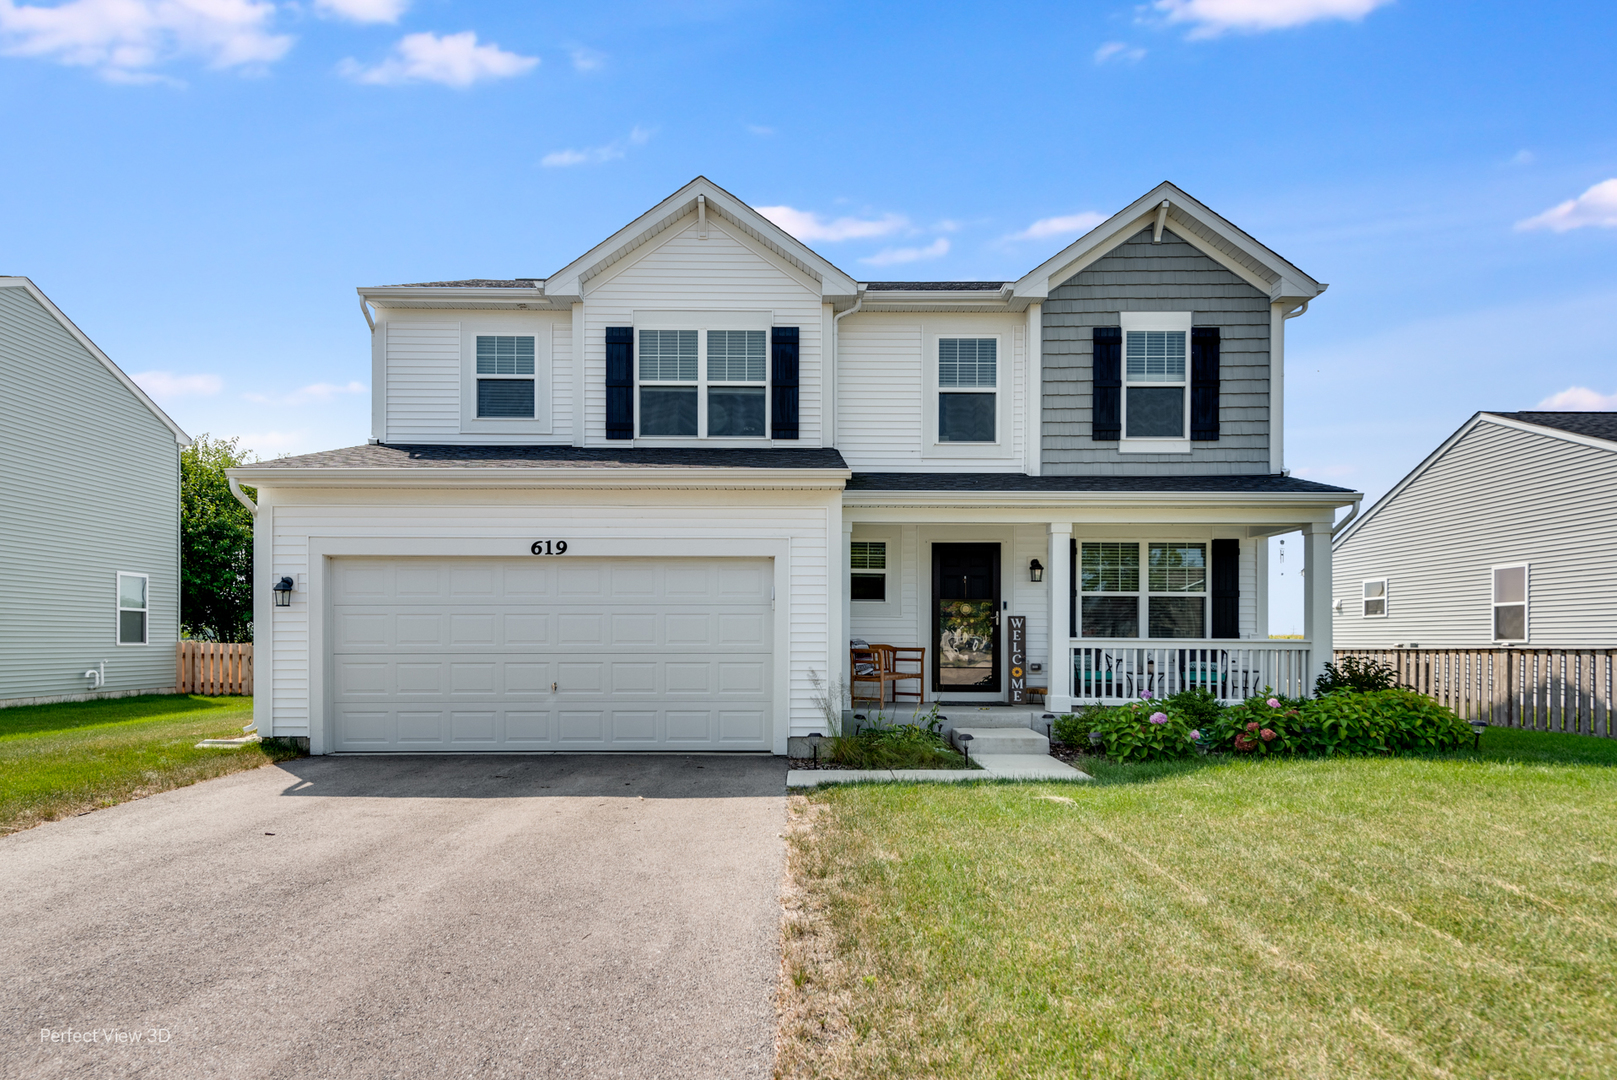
point(885, 571)
point(1008, 348)
point(1364, 599)
point(496, 324)
point(1136, 321)
point(701, 323)
point(1526, 602)
point(1143, 594)
point(939, 389)
point(118, 609)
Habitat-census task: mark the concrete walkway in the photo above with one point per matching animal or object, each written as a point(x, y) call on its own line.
point(990, 767)
point(567, 916)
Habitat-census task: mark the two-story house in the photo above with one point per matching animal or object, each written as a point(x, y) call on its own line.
point(646, 502)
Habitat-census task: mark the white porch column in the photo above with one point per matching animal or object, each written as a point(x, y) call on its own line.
point(842, 565)
point(1317, 597)
point(1058, 572)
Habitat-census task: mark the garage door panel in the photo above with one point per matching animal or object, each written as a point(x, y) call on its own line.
point(470, 654)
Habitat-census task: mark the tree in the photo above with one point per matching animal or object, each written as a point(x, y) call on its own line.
point(216, 544)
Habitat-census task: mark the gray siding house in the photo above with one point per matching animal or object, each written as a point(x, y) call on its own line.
point(1505, 535)
point(89, 515)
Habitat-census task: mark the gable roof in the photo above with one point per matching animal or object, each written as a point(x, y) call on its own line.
point(1583, 428)
point(719, 203)
point(1192, 222)
point(106, 361)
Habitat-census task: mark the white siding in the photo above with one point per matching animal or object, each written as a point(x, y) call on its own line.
point(886, 391)
point(1498, 495)
point(721, 273)
point(89, 486)
point(806, 519)
point(423, 377)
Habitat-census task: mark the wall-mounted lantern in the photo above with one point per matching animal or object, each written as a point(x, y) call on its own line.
point(283, 592)
point(1035, 570)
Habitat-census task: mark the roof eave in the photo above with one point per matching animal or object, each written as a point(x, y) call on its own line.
point(452, 296)
point(547, 476)
point(869, 497)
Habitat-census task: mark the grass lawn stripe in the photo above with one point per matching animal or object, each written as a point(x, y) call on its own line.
point(60, 760)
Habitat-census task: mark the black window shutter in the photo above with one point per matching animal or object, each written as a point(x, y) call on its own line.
point(1226, 588)
point(1204, 383)
point(620, 382)
point(783, 380)
point(1072, 583)
point(1106, 417)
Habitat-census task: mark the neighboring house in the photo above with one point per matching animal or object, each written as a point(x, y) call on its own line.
point(646, 502)
point(89, 515)
point(1505, 535)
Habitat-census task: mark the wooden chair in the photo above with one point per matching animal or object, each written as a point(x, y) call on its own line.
point(903, 657)
point(872, 663)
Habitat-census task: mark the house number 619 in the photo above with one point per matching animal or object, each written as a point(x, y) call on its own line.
point(549, 547)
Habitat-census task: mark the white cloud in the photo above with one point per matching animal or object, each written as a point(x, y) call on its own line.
point(586, 59)
point(808, 226)
point(936, 249)
point(1522, 157)
point(314, 392)
point(595, 155)
point(1209, 18)
point(122, 39)
point(282, 442)
point(1597, 206)
point(1069, 225)
point(453, 60)
point(363, 11)
point(1117, 50)
point(1580, 399)
point(165, 385)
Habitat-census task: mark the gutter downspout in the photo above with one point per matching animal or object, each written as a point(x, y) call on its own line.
point(1353, 513)
point(365, 310)
point(836, 355)
point(241, 497)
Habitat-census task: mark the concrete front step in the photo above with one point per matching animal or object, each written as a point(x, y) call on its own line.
point(996, 716)
point(1019, 742)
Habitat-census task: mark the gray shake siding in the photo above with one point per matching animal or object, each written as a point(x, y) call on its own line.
point(1171, 276)
point(1498, 495)
point(89, 486)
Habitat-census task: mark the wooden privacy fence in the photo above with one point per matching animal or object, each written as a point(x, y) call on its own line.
point(1566, 690)
point(213, 667)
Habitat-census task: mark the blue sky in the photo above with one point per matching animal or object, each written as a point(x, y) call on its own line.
point(201, 184)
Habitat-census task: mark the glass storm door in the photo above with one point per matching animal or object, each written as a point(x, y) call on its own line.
point(965, 618)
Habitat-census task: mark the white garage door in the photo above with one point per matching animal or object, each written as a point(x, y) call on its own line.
point(551, 654)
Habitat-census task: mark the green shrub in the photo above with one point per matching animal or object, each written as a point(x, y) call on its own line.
point(1147, 730)
point(1073, 728)
point(1199, 708)
point(881, 745)
point(1356, 675)
point(1376, 722)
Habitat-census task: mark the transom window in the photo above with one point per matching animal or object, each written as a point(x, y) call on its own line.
point(1375, 598)
point(133, 608)
point(505, 376)
point(968, 378)
point(676, 400)
point(867, 561)
point(1174, 597)
point(1155, 388)
point(1510, 603)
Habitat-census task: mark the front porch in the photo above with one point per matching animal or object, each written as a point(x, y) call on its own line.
point(1111, 672)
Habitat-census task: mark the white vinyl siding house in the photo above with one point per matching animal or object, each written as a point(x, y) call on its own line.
point(89, 514)
point(1507, 534)
point(735, 426)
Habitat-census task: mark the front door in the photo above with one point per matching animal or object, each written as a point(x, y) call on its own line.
point(965, 618)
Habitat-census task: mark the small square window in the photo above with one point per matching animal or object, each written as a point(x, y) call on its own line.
point(736, 411)
point(1375, 598)
point(504, 398)
point(966, 417)
point(133, 608)
point(668, 410)
point(867, 561)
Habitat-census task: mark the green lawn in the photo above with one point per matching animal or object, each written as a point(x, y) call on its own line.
point(1452, 917)
point(58, 760)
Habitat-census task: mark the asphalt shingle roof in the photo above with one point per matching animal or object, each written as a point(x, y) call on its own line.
point(474, 283)
point(1263, 483)
point(935, 286)
point(1596, 425)
point(378, 456)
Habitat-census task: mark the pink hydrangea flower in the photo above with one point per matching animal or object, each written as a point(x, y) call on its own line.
point(1267, 735)
point(1253, 726)
point(1196, 736)
point(1159, 718)
point(1273, 703)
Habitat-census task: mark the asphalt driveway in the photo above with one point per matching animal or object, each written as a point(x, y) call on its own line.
point(404, 917)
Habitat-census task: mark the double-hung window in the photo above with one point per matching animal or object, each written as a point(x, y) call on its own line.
point(1375, 598)
point(1510, 603)
point(867, 560)
point(968, 384)
point(1154, 389)
point(134, 605)
point(1169, 599)
point(504, 375)
point(725, 398)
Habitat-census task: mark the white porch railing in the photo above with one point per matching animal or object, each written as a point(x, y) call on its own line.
point(1115, 672)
